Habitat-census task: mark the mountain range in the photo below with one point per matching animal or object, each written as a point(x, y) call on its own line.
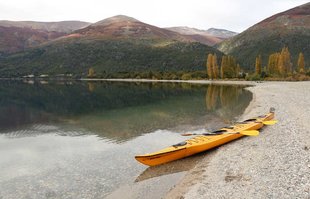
point(20, 35)
point(61, 26)
point(123, 44)
point(114, 45)
point(14, 39)
point(120, 27)
point(209, 37)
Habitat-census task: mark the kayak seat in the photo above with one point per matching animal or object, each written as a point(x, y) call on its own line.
point(249, 120)
point(180, 144)
point(218, 132)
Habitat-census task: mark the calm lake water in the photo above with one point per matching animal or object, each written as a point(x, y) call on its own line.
point(79, 139)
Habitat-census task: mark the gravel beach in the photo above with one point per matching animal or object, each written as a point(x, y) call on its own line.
point(276, 164)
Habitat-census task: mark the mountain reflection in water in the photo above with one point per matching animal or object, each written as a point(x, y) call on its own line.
point(115, 110)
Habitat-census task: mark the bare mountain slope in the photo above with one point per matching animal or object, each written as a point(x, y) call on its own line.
point(290, 28)
point(61, 26)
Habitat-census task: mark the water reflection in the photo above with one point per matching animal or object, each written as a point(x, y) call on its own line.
point(117, 111)
point(227, 101)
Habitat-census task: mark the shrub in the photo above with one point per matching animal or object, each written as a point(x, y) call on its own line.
point(253, 77)
point(186, 76)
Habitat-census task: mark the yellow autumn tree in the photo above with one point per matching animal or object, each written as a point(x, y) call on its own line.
point(281, 66)
point(272, 67)
point(215, 67)
point(91, 72)
point(229, 67)
point(209, 66)
point(284, 62)
point(301, 63)
point(258, 65)
point(287, 61)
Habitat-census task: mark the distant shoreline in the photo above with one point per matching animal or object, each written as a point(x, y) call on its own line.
point(220, 81)
point(230, 82)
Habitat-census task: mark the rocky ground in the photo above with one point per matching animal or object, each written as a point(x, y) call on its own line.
point(275, 164)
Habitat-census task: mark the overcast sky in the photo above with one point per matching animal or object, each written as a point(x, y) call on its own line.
point(235, 15)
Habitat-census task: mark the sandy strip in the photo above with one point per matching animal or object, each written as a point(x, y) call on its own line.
point(275, 164)
point(229, 82)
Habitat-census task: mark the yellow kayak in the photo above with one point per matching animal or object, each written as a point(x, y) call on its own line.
point(204, 142)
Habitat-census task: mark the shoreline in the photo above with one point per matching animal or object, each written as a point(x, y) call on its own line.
point(221, 82)
point(230, 82)
point(275, 164)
